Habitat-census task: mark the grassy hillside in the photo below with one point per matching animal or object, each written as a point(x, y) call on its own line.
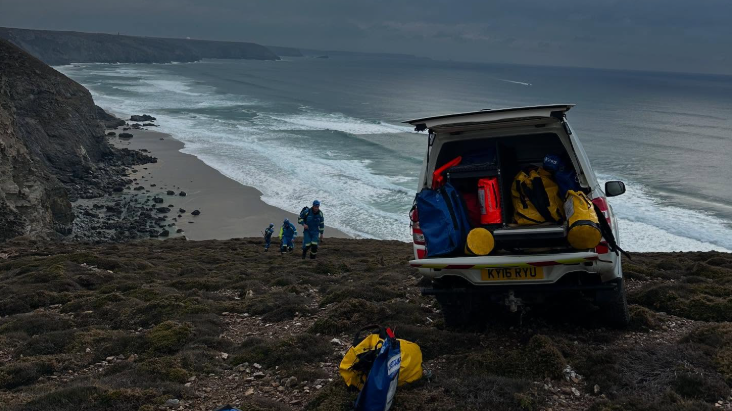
point(196, 325)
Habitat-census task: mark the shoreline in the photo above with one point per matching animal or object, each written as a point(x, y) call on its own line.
point(228, 209)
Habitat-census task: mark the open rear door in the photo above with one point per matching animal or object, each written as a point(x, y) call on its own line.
point(484, 118)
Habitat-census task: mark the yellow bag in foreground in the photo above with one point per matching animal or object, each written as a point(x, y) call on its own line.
point(410, 370)
point(582, 222)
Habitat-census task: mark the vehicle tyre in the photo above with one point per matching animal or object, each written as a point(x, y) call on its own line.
point(615, 310)
point(456, 311)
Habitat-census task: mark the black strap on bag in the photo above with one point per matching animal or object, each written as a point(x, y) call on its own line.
point(538, 197)
point(357, 338)
point(366, 359)
point(607, 233)
point(522, 197)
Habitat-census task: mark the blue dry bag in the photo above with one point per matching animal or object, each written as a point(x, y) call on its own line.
point(565, 177)
point(378, 392)
point(443, 220)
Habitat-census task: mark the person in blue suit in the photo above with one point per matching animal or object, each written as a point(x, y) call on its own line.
point(313, 224)
point(268, 236)
point(287, 235)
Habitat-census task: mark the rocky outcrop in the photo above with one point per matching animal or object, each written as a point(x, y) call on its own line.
point(53, 148)
point(65, 47)
point(143, 118)
point(108, 120)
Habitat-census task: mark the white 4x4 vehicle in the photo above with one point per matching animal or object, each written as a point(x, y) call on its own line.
point(529, 262)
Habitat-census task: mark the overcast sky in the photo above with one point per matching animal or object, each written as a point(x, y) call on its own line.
point(674, 35)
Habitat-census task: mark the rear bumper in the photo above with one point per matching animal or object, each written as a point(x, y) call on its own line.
point(553, 266)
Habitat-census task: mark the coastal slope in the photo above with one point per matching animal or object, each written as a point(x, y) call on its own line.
point(65, 47)
point(197, 325)
point(52, 147)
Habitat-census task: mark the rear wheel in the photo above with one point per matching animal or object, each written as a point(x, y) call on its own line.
point(457, 311)
point(614, 309)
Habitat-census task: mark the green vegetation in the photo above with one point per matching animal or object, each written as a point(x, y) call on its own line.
point(126, 326)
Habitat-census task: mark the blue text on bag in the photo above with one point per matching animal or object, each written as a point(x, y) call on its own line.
point(378, 392)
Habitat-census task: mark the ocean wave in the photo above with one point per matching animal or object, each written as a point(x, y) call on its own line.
point(314, 120)
point(514, 82)
point(275, 153)
point(290, 174)
point(648, 224)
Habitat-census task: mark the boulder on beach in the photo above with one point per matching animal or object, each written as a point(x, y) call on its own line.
point(170, 192)
point(111, 134)
point(157, 200)
point(182, 194)
point(195, 212)
point(181, 210)
point(163, 210)
point(125, 135)
point(142, 118)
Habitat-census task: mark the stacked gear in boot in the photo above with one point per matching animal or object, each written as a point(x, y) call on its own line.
point(536, 198)
point(582, 221)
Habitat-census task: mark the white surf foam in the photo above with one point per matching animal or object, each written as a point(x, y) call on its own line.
point(648, 224)
point(312, 120)
point(514, 82)
point(259, 155)
point(262, 154)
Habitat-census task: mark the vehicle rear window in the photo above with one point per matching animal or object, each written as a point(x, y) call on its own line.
point(521, 150)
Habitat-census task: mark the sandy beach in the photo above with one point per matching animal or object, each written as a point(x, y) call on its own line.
point(227, 208)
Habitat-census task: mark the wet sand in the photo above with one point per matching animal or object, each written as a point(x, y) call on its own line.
point(228, 209)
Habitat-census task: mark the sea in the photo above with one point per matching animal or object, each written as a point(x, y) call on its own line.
point(332, 129)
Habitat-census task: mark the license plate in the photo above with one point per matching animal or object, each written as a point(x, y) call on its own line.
point(512, 273)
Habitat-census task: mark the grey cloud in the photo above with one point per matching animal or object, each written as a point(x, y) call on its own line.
point(677, 35)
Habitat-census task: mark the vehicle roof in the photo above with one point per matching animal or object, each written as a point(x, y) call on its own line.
point(491, 115)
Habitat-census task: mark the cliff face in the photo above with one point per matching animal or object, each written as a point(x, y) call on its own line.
point(51, 146)
point(64, 47)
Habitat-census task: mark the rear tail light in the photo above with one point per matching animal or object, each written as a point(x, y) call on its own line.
point(602, 248)
point(601, 203)
point(421, 254)
point(417, 235)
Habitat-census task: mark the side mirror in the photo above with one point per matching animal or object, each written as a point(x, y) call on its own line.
point(614, 188)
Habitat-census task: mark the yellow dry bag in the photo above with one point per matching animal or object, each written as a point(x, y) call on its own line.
point(583, 225)
point(357, 362)
point(535, 198)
